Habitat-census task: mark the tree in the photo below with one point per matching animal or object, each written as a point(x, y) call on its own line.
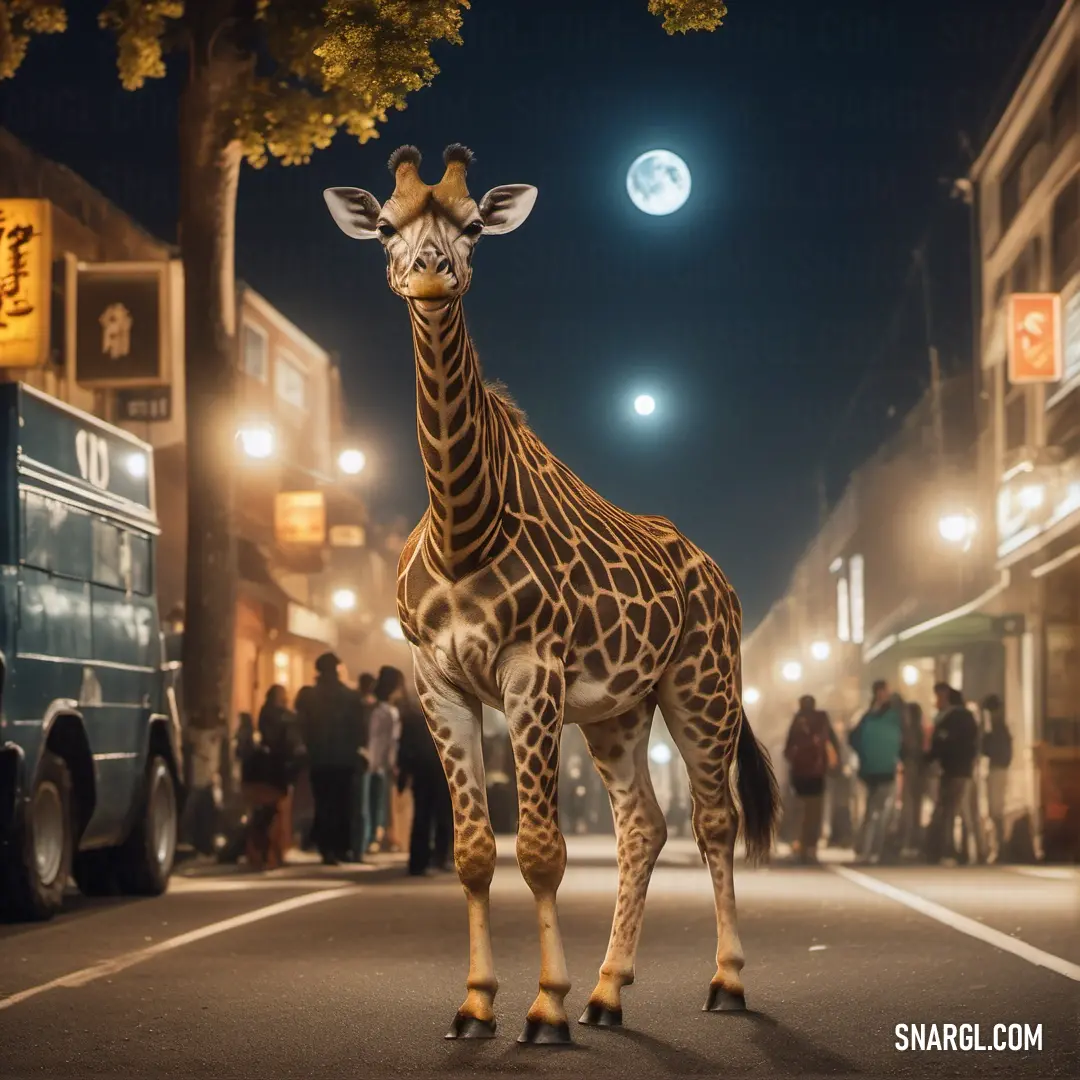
point(265, 78)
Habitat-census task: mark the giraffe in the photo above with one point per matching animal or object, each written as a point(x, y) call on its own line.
point(523, 589)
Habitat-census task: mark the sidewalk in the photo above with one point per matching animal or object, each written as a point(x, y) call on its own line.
point(305, 865)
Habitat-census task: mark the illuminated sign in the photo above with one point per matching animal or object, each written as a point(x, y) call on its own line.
point(858, 598)
point(25, 282)
point(300, 518)
point(1035, 338)
point(347, 536)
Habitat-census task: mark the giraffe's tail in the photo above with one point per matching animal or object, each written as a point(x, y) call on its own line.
point(759, 795)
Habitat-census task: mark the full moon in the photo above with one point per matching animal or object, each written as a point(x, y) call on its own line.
point(658, 182)
point(644, 404)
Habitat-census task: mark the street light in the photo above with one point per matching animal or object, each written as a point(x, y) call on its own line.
point(352, 461)
point(644, 404)
point(257, 441)
point(344, 600)
point(751, 695)
point(957, 529)
point(910, 674)
point(820, 650)
point(792, 671)
point(660, 754)
point(392, 629)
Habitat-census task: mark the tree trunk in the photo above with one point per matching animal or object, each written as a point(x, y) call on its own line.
point(209, 173)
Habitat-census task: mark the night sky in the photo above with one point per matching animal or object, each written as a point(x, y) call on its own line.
point(774, 317)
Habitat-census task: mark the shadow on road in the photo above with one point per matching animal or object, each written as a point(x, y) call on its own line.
point(788, 1053)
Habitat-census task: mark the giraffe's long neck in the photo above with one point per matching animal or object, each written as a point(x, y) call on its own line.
point(459, 432)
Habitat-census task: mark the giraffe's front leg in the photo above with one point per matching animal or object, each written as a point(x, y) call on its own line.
point(533, 691)
point(456, 721)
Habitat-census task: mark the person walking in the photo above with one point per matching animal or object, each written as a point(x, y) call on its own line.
point(420, 767)
point(358, 827)
point(913, 767)
point(382, 743)
point(877, 739)
point(331, 719)
point(997, 748)
point(811, 751)
point(954, 746)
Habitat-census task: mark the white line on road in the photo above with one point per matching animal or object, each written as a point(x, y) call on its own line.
point(126, 960)
point(962, 923)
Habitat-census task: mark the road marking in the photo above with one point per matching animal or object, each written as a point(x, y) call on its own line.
point(211, 885)
point(126, 960)
point(962, 923)
point(1053, 873)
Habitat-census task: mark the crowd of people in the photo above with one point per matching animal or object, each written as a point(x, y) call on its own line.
point(903, 766)
point(370, 762)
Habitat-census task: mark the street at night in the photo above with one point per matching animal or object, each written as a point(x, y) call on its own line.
point(364, 980)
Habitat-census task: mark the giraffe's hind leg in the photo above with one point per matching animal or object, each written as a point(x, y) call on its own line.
point(705, 728)
point(620, 751)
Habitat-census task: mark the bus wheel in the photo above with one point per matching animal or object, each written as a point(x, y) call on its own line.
point(35, 878)
point(144, 862)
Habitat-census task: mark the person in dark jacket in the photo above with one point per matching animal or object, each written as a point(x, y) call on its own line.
point(955, 747)
point(877, 738)
point(269, 772)
point(913, 765)
point(997, 748)
point(419, 764)
point(331, 719)
point(359, 826)
point(807, 753)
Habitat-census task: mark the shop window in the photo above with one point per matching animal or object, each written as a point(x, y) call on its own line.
point(1026, 272)
point(255, 361)
point(1063, 109)
point(290, 381)
point(1066, 233)
point(1021, 178)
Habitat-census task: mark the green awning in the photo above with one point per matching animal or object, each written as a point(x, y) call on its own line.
point(952, 636)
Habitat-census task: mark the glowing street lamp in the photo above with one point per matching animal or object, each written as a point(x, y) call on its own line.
point(910, 674)
point(392, 629)
point(257, 441)
point(791, 671)
point(644, 404)
point(344, 600)
point(660, 754)
point(820, 650)
point(957, 529)
point(351, 461)
point(751, 695)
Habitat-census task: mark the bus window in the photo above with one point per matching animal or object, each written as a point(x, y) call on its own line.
point(54, 616)
point(108, 568)
point(142, 576)
point(56, 536)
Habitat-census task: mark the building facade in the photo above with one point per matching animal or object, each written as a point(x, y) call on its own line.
point(94, 317)
point(1027, 198)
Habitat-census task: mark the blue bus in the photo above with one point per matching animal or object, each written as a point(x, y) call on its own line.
point(90, 759)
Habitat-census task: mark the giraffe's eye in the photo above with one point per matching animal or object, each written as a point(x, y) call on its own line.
point(386, 230)
point(473, 229)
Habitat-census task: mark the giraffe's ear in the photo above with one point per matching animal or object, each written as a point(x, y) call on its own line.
point(356, 211)
point(503, 209)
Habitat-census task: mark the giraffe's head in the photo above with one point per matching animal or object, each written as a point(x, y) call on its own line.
point(429, 233)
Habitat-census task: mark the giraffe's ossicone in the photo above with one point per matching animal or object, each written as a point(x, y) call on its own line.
point(523, 589)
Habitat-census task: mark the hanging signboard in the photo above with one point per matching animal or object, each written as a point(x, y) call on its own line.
point(300, 518)
point(25, 282)
point(347, 536)
point(1035, 338)
point(119, 314)
point(154, 403)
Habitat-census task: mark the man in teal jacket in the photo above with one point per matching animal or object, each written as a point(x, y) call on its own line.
point(877, 739)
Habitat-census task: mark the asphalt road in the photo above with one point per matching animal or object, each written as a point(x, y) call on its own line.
point(316, 973)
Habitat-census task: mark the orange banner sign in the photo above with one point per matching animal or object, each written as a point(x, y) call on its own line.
point(1035, 338)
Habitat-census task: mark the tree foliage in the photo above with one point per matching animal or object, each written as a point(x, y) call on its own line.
point(318, 65)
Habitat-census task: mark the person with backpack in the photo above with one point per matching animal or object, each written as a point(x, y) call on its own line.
point(812, 749)
point(878, 739)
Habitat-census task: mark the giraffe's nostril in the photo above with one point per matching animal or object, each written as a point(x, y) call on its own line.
point(443, 266)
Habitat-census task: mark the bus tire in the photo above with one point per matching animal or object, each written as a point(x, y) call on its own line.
point(36, 876)
point(144, 862)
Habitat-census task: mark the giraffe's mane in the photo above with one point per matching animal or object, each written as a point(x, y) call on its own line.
point(498, 389)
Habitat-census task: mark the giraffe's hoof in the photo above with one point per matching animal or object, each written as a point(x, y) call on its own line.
point(597, 1015)
point(469, 1027)
point(721, 1000)
point(539, 1033)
